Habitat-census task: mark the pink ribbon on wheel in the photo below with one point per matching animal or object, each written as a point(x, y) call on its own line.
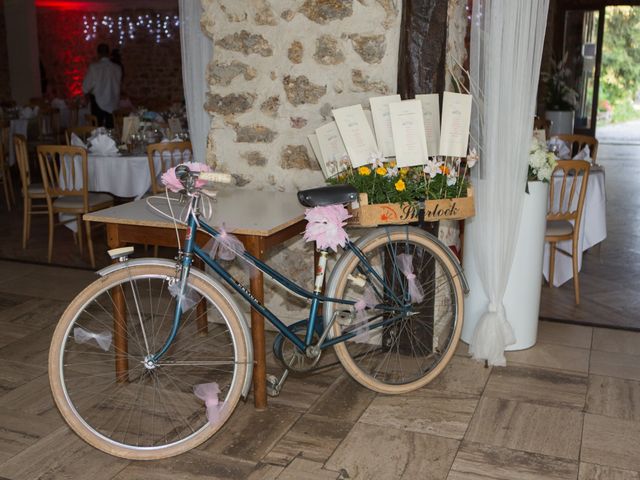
point(208, 393)
point(368, 300)
point(406, 267)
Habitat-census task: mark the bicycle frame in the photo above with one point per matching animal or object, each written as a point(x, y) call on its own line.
point(195, 221)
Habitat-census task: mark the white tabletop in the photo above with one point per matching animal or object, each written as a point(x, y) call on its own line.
point(243, 211)
point(593, 229)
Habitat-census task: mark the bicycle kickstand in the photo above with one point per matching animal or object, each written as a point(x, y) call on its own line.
point(274, 384)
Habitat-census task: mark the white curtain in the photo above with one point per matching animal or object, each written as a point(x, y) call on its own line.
point(506, 48)
point(196, 54)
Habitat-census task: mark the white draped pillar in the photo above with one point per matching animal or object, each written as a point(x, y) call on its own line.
point(506, 49)
point(196, 53)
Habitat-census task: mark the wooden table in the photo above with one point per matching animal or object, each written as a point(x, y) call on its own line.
point(260, 219)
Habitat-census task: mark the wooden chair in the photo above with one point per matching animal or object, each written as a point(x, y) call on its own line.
point(91, 120)
point(566, 201)
point(540, 123)
point(30, 191)
point(65, 177)
point(83, 132)
point(5, 174)
point(578, 142)
point(170, 154)
point(48, 124)
point(118, 120)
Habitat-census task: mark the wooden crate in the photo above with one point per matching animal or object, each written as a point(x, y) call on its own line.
point(401, 213)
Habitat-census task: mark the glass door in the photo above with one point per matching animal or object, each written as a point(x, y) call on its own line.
point(583, 46)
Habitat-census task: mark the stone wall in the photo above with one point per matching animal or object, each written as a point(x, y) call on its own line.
point(5, 82)
point(153, 71)
point(279, 68)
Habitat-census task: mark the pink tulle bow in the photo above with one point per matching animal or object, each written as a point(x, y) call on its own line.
point(368, 300)
point(326, 226)
point(170, 180)
point(208, 393)
point(225, 246)
point(406, 266)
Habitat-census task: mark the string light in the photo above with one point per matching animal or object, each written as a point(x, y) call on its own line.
point(161, 27)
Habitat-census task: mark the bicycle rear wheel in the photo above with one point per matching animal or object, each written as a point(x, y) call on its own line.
point(400, 343)
point(142, 409)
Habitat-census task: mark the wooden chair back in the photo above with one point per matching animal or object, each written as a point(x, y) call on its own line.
point(64, 171)
point(83, 132)
point(540, 123)
point(566, 198)
point(578, 142)
point(22, 159)
point(48, 122)
point(169, 154)
point(91, 120)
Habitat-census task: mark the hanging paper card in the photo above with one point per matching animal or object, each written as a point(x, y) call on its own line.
point(456, 118)
point(356, 134)
point(369, 117)
point(540, 135)
point(431, 119)
point(175, 126)
point(332, 148)
point(382, 123)
point(408, 133)
point(315, 148)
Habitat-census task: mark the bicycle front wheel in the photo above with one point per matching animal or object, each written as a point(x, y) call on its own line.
point(402, 340)
point(110, 389)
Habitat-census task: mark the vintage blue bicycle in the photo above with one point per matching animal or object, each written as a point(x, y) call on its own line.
point(130, 348)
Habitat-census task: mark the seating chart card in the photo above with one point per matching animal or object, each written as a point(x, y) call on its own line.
point(382, 123)
point(456, 119)
point(332, 149)
point(356, 134)
point(408, 133)
point(431, 118)
point(315, 148)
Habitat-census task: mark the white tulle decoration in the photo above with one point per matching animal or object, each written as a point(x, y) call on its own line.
point(507, 37)
point(492, 334)
point(225, 246)
point(103, 339)
point(189, 299)
point(326, 226)
point(208, 393)
point(368, 300)
point(406, 267)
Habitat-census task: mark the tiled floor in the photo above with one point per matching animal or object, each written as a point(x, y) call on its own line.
point(569, 408)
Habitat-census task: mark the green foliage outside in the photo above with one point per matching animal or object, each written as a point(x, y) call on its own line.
point(620, 73)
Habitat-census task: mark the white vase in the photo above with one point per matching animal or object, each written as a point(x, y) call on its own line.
point(561, 121)
point(522, 296)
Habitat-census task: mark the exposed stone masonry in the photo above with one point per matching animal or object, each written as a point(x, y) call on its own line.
point(280, 67)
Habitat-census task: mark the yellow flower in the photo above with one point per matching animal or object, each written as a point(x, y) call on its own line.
point(381, 170)
point(403, 171)
point(364, 171)
point(400, 186)
point(444, 169)
point(392, 164)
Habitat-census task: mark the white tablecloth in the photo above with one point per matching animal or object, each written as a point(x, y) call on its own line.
point(593, 228)
point(122, 176)
point(16, 126)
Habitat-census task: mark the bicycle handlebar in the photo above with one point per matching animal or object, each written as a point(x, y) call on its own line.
point(188, 177)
